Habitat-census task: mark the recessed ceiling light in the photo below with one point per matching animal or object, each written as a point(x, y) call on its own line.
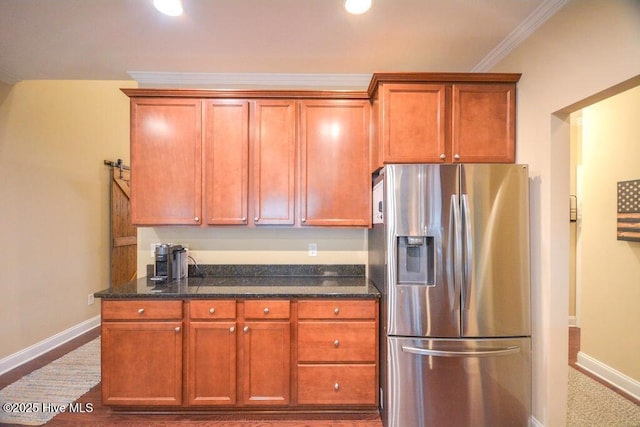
point(169, 7)
point(357, 7)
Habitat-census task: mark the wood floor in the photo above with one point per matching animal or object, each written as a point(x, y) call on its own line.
point(103, 416)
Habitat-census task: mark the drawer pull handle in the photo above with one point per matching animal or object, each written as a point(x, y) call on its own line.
point(140, 310)
point(336, 386)
point(266, 310)
point(246, 329)
point(212, 310)
point(336, 310)
point(336, 343)
point(177, 329)
point(232, 329)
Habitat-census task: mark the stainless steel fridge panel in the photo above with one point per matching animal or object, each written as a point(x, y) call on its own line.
point(457, 382)
point(418, 213)
point(496, 278)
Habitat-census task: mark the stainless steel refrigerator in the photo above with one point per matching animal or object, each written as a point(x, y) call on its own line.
point(449, 251)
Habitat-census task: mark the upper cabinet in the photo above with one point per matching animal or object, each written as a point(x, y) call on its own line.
point(226, 161)
point(443, 118)
point(273, 162)
point(483, 120)
point(285, 159)
point(305, 158)
point(166, 151)
point(334, 149)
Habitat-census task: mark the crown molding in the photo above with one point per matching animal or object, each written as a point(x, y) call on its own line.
point(251, 80)
point(527, 27)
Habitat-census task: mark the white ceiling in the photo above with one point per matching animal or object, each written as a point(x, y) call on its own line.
point(225, 41)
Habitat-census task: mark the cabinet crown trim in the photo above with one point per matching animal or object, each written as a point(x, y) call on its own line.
point(450, 78)
point(244, 94)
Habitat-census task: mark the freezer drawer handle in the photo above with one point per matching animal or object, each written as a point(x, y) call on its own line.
point(472, 353)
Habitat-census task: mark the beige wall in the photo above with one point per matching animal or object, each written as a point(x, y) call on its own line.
point(236, 245)
point(610, 267)
point(54, 220)
point(575, 55)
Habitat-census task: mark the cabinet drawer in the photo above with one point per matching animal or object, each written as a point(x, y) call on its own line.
point(337, 384)
point(336, 341)
point(266, 309)
point(212, 309)
point(141, 310)
point(337, 309)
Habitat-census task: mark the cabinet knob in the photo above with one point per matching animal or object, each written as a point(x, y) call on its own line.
point(443, 156)
point(177, 329)
point(336, 386)
point(456, 156)
point(243, 219)
point(246, 329)
point(336, 310)
point(266, 310)
point(336, 343)
point(304, 219)
point(212, 310)
point(232, 329)
point(196, 219)
point(256, 219)
point(140, 310)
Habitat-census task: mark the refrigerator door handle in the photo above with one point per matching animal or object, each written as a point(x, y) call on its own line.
point(470, 353)
point(455, 250)
point(468, 252)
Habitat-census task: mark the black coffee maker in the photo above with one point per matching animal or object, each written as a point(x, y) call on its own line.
point(169, 262)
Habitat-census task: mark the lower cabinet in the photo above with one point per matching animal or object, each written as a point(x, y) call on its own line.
point(337, 352)
point(142, 353)
point(211, 350)
point(266, 352)
point(254, 354)
point(338, 384)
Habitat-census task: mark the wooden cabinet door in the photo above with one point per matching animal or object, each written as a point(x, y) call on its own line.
point(226, 161)
point(165, 161)
point(334, 148)
point(266, 348)
point(483, 123)
point(142, 363)
point(211, 369)
point(414, 122)
point(273, 160)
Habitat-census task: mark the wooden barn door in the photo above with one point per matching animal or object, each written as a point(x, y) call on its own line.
point(123, 234)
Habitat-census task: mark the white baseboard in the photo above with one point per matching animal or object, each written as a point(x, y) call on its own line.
point(572, 321)
point(23, 356)
point(610, 375)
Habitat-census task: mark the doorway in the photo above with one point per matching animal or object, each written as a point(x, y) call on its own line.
point(605, 271)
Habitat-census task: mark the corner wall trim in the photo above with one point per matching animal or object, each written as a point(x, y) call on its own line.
point(23, 356)
point(610, 375)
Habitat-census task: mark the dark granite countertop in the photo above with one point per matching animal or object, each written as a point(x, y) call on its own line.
point(253, 282)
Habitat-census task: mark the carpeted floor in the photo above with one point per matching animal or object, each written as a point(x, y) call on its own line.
point(590, 404)
point(39, 396)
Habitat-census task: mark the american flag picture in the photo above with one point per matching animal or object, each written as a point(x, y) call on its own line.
point(629, 210)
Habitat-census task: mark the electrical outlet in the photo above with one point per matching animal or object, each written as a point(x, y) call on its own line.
point(313, 249)
point(90, 299)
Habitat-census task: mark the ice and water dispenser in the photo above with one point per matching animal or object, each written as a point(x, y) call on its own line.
point(415, 260)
